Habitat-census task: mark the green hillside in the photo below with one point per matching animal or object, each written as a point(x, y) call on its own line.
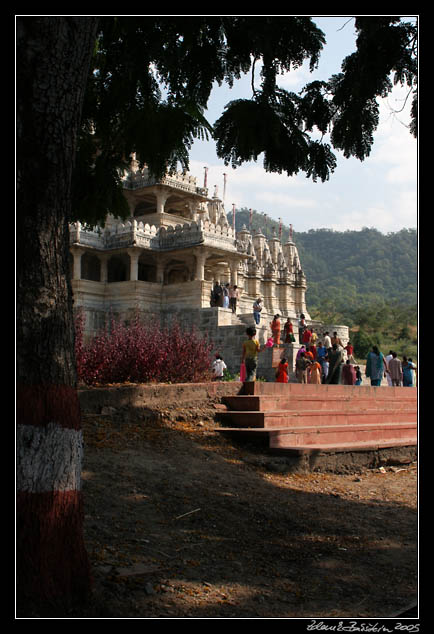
point(365, 279)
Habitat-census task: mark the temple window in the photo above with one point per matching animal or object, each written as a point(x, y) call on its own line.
point(118, 268)
point(90, 267)
point(147, 271)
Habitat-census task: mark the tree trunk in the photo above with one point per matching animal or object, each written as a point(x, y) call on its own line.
point(53, 57)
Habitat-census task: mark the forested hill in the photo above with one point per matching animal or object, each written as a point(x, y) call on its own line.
point(351, 270)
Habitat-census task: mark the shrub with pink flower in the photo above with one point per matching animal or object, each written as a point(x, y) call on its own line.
point(142, 352)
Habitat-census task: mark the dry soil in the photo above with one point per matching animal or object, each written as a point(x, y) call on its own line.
point(180, 523)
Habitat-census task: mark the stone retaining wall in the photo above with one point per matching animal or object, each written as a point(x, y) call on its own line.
point(153, 395)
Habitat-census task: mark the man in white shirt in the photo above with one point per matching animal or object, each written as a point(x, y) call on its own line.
point(327, 341)
point(234, 295)
point(387, 359)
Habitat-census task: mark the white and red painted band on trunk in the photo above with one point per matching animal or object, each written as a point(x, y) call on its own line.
point(49, 439)
point(51, 556)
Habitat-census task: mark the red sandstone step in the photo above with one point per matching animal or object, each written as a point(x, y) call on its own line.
point(299, 417)
point(287, 418)
point(268, 388)
point(266, 403)
point(338, 434)
point(278, 442)
point(348, 446)
point(333, 438)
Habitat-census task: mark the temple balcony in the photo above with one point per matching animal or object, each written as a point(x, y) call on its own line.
point(182, 182)
point(127, 234)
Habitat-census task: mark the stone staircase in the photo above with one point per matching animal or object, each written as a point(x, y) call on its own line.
point(302, 419)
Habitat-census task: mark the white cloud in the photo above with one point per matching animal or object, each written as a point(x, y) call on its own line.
point(273, 200)
point(388, 215)
point(296, 78)
point(379, 192)
point(396, 153)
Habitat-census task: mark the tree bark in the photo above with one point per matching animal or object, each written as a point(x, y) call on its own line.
point(53, 57)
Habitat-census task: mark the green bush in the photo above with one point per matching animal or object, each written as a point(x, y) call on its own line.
point(362, 343)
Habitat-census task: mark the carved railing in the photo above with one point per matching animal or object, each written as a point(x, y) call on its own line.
point(184, 182)
point(134, 233)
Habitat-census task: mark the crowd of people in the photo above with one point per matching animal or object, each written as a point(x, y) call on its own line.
point(324, 360)
point(225, 296)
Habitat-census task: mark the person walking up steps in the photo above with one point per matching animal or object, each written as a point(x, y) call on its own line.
point(275, 329)
point(249, 357)
point(234, 295)
point(257, 307)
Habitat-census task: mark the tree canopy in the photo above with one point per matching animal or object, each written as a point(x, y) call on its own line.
point(151, 78)
point(146, 90)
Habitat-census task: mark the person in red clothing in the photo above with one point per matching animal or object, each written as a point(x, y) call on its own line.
point(282, 371)
point(348, 374)
point(288, 330)
point(350, 349)
point(275, 329)
point(306, 336)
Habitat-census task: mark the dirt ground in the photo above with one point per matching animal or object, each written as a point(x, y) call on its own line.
point(182, 523)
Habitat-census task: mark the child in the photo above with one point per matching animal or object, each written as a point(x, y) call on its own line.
point(218, 367)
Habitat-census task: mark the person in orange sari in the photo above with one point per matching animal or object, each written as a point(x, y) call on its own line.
point(275, 329)
point(282, 371)
point(309, 354)
point(315, 373)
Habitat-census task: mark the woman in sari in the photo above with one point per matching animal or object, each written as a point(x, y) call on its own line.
point(282, 371)
point(348, 374)
point(288, 330)
point(275, 329)
point(315, 373)
point(375, 366)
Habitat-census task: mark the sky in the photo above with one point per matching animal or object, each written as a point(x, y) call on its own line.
point(380, 192)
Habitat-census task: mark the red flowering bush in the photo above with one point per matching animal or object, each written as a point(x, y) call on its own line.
point(142, 352)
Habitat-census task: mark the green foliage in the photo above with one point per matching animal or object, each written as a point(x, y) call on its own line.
point(362, 343)
point(151, 77)
point(385, 48)
point(230, 376)
point(365, 267)
point(364, 279)
point(367, 280)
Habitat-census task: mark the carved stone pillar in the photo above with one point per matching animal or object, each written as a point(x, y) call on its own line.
point(77, 252)
point(160, 270)
point(162, 195)
point(134, 264)
point(103, 258)
point(234, 272)
point(200, 264)
point(192, 208)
